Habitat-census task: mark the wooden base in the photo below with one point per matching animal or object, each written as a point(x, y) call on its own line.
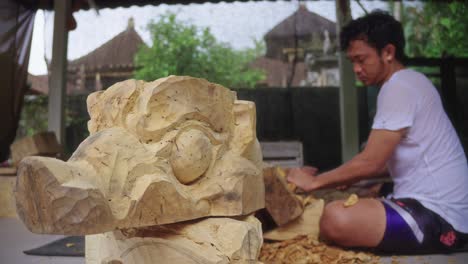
point(208, 241)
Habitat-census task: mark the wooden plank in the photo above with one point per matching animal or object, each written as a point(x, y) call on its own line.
point(282, 149)
point(283, 153)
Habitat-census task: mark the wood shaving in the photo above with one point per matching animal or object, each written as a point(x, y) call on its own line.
point(281, 172)
point(284, 174)
point(308, 200)
point(307, 250)
point(352, 200)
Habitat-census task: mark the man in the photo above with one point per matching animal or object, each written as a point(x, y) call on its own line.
point(412, 137)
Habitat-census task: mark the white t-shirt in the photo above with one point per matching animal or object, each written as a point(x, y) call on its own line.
point(429, 164)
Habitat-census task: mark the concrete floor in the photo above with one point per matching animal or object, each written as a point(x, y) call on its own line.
point(15, 238)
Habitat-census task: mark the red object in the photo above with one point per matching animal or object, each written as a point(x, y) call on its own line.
point(448, 238)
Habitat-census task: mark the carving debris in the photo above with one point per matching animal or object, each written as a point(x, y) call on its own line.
point(352, 200)
point(306, 250)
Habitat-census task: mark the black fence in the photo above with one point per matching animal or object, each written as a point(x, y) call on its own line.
point(310, 115)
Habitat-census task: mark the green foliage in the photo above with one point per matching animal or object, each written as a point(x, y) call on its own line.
point(183, 49)
point(33, 116)
point(34, 119)
point(436, 29)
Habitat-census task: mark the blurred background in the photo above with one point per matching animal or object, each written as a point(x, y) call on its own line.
point(282, 55)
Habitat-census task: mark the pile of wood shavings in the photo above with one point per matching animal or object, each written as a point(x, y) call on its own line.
point(305, 250)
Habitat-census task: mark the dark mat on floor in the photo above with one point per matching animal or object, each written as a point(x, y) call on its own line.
point(72, 246)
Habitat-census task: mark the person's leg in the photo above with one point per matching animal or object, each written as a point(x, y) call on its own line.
point(397, 225)
point(360, 225)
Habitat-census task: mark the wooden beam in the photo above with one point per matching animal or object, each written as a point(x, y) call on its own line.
point(58, 77)
point(348, 92)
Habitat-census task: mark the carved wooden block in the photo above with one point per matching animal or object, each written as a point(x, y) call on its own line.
point(209, 241)
point(280, 202)
point(306, 224)
point(175, 149)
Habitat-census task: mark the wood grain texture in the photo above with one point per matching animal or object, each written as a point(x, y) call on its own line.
point(208, 241)
point(280, 202)
point(7, 200)
point(307, 224)
point(172, 150)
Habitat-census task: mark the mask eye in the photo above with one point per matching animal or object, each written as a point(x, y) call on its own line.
point(191, 155)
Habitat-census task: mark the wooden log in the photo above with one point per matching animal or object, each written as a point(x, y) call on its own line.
point(209, 241)
point(158, 153)
point(41, 144)
point(306, 224)
point(280, 202)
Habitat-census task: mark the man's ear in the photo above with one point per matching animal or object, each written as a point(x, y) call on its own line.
point(388, 53)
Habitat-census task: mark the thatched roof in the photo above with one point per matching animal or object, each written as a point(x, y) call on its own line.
point(116, 53)
point(302, 23)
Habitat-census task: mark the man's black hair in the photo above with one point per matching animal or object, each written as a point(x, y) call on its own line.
point(378, 29)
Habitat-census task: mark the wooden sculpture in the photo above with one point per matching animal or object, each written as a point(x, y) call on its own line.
point(176, 149)
point(209, 241)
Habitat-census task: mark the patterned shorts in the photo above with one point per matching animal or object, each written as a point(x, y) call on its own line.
point(412, 228)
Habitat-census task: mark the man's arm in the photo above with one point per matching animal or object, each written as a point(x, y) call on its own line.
point(369, 163)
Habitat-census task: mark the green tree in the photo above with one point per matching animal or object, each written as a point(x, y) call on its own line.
point(436, 29)
point(182, 49)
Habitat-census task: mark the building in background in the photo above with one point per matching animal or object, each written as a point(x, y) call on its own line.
point(301, 51)
point(110, 63)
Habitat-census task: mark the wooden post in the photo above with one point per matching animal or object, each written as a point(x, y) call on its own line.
point(449, 88)
point(58, 77)
point(348, 93)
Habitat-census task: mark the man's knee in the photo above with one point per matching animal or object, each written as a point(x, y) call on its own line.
point(334, 222)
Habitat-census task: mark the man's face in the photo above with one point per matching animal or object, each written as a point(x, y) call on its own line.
point(367, 63)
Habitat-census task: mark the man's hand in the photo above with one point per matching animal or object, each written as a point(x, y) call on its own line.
point(304, 178)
